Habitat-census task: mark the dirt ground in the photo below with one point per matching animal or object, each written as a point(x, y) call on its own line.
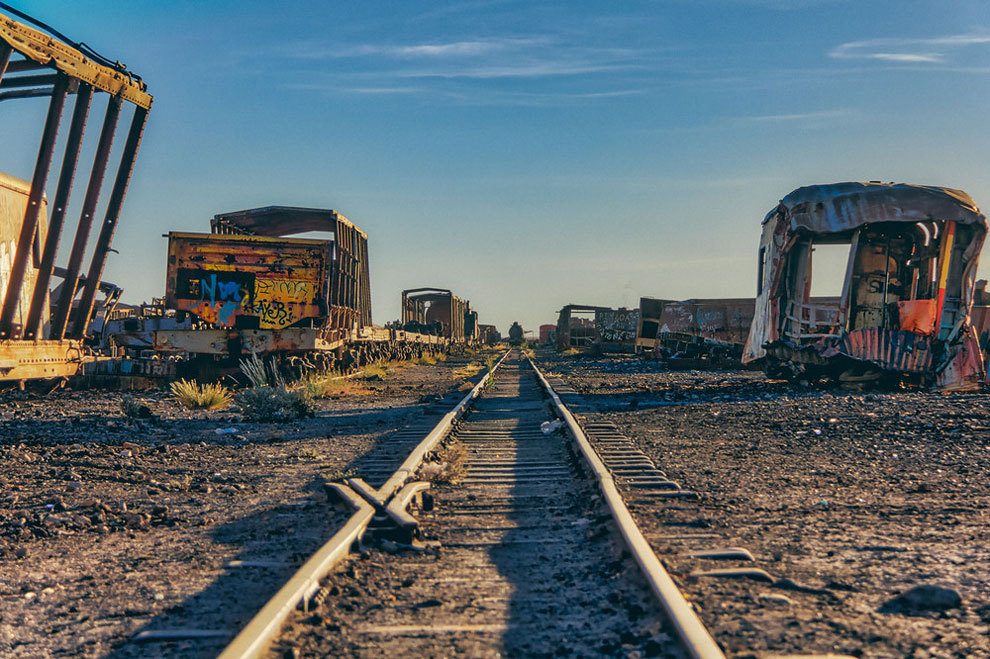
point(111, 525)
point(847, 500)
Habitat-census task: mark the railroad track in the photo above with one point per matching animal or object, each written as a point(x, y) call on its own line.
point(532, 552)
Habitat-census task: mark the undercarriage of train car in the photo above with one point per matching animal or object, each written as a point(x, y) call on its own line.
point(42, 331)
point(904, 311)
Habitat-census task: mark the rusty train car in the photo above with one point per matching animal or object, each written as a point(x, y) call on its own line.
point(589, 327)
point(907, 295)
point(438, 312)
point(252, 286)
point(41, 334)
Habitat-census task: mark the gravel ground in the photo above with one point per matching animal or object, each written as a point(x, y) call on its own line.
point(849, 501)
point(110, 526)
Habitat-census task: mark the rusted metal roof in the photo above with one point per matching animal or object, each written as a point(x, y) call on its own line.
point(840, 207)
point(282, 221)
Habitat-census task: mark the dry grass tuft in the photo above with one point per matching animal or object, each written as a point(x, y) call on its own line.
point(192, 395)
point(468, 371)
point(325, 385)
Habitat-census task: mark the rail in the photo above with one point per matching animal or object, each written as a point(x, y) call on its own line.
point(695, 637)
point(255, 637)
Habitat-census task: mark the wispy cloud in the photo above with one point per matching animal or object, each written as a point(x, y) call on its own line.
point(935, 50)
point(518, 68)
point(433, 50)
point(800, 116)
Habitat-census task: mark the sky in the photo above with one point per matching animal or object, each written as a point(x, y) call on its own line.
point(529, 154)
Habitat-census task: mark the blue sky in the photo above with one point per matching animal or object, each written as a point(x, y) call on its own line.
point(530, 154)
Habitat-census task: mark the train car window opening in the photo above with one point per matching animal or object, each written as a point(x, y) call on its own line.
point(828, 269)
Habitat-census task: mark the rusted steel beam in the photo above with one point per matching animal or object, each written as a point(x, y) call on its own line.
point(24, 65)
point(27, 93)
point(30, 81)
point(131, 147)
point(30, 225)
point(5, 52)
point(76, 131)
point(60, 315)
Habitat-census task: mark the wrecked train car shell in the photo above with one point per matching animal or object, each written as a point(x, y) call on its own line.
point(438, 312)
point(597, 328)
point(41, 335)
point(256, 289)
point(907, 291)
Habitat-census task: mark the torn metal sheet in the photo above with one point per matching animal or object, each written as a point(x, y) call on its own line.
point(907, 292)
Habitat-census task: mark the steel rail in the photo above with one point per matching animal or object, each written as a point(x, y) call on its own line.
point(259, 632)
point(695, 637)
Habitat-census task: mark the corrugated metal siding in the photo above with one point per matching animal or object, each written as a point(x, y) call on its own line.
point(893, 350)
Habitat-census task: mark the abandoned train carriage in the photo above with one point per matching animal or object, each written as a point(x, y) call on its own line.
point(255, 289)
point(438, 312)
point(905, 305)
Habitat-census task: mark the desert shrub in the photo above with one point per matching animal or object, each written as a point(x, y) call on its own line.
point(468, 371)
point(260, 373)
point(268, 404)
point(190, 394)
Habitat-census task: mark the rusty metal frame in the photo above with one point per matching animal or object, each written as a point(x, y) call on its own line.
point(38, 61)
point(414, 309)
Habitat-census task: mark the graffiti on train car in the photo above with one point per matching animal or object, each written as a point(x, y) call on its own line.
point(616, 325)
point(218, 297)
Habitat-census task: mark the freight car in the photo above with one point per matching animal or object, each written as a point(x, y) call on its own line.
point(41, 335)
point(904, 312)
point(438, 312)
point(596, 328)
point(251, 288)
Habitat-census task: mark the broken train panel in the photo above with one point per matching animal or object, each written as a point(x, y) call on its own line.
point(907, 290)
point(41, 333)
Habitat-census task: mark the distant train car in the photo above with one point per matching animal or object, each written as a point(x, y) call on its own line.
point(596, 328)
point(254, 289)
point(489, 334)
point(548, 334)
point(439, 312)
point(907, 294)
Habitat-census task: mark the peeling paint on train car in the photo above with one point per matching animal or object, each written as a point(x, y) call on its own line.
point(248, 282)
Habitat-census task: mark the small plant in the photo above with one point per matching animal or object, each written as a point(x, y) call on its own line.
point(327, 385)
point(374, 372)
point(490, 363)
point(192, 395)
point(426, 360)
point(468, 371)
point(261, 374)
point(133, 409)
point(273, 404)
